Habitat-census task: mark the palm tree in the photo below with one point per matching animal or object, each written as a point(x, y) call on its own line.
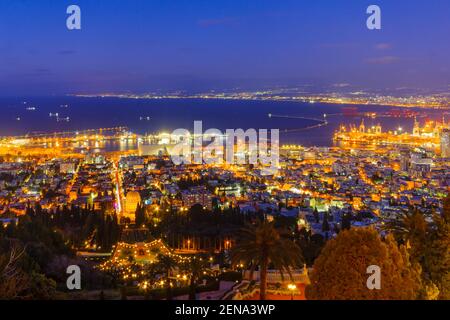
point(262, 245)
point(165, 265)
point(196, 267)
point(410, 229)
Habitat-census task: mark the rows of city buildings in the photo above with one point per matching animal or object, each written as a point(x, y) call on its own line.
point(369, 184)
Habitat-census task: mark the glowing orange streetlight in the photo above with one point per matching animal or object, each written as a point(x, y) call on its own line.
point(292, 287)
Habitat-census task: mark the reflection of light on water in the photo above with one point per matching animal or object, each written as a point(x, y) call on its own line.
point(20, 142)
point(104, 145)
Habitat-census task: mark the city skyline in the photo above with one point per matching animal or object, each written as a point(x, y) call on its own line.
point(224, 151)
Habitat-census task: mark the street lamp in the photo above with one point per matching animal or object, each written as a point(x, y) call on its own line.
point(292, 287)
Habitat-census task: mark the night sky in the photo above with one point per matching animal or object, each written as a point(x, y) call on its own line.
point(147, 45)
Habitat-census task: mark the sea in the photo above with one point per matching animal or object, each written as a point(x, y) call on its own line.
point(20, 116)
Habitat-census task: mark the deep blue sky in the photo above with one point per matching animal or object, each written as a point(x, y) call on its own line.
point(145, 45)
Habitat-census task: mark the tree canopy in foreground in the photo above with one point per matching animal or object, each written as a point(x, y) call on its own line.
point(340, 272)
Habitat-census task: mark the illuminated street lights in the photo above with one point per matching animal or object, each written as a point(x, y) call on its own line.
point(292, 287)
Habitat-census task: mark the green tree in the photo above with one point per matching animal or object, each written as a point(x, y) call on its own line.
point(346, 221)
point(165, 266)
point(262, 245)
point(411, 229)
point(316, 215)
point(115, 229)
point(325, 223)
point(20, 281)
point(195, 267)
point(139, 215)
point(340, 272)
point(13, 280)
point(429, 245)
point(437, 253)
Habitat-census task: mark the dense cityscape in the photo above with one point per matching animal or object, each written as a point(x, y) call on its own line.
point(145, 228)
point(208, 159)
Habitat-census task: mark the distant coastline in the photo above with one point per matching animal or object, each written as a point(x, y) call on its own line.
point(436, 101)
